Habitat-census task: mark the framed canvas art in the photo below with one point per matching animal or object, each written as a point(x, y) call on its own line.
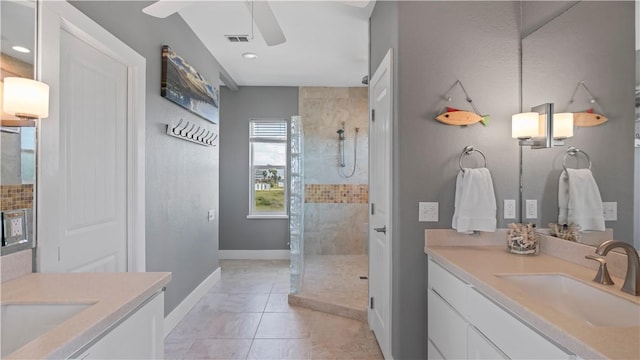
point(183, 85)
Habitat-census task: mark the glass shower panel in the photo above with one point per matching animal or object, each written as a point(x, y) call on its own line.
point(296, 201)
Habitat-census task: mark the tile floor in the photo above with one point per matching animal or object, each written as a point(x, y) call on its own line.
point(333, 284)
point(246, 316)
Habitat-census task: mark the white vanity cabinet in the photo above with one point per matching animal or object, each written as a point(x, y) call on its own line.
point(139, 335)
point(465, 324)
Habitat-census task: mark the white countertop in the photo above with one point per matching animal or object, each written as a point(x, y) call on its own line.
point(113, 296)
point(477, 265)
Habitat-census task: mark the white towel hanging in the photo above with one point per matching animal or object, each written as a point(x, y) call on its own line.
point(579, 200)
point(475, 202)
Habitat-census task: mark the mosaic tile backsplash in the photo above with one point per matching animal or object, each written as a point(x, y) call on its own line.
point(13, 197)
point(336, 193)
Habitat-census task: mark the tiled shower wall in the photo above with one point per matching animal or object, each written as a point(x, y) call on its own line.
point(336, 207)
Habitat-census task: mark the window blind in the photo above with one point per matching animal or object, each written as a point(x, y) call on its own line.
point(276, 130)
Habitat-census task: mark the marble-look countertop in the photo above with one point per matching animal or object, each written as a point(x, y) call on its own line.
point(477, 265)
point(113, 296)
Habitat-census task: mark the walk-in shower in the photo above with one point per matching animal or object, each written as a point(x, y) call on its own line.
point(341, 140)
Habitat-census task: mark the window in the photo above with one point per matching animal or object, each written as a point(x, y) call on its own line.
point(268, 173)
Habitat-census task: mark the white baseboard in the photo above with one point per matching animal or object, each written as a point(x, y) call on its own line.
point(175, 316)
point(254, 254)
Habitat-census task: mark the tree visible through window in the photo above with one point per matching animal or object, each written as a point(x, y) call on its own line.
point(268, 149)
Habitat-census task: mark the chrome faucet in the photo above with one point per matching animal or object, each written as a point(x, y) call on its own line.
point(632, 280)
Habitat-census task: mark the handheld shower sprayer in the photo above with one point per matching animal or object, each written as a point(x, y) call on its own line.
point(341, 139)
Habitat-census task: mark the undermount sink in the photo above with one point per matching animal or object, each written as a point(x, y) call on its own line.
point(22, 323)
point(577, 299)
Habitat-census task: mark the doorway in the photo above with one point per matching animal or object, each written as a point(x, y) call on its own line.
point(335, 126)
point(91, 170)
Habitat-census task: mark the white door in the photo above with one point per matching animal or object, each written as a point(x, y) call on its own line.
point(380, 198)
point(87, 188)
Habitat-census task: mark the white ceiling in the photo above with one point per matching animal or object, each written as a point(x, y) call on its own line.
point(17, 28)
point(327, 41)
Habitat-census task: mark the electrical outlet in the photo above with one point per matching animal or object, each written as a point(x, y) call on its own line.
point(532, 209)
point(509, 209)
point(610, 211)
point(427, 211)
point(212, 215)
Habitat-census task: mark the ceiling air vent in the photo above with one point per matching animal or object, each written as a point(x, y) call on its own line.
point(237, 38)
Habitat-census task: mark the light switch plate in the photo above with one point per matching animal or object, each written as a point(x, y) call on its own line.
point(509, 209)
point(532, 209)
point(212, 215)
point(610, 211)
point(427, 211)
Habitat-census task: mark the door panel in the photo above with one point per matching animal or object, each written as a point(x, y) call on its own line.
point(380, 168)
point(93, 159)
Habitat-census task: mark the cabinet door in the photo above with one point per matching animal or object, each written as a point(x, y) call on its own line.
point(446, 328)
point(140, 336)
point(479, 347)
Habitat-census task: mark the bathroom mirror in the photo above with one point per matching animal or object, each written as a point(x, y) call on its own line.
point(556, 57)
point(17, 137)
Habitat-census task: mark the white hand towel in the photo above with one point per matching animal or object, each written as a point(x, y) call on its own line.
point(563, 198)
point(475, 202)
point(585, 203)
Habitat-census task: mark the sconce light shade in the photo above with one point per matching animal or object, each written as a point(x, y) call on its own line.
point(562, 126)
point(26, 98)
point(524, 125)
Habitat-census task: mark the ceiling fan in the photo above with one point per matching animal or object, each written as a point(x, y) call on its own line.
point(261, 15)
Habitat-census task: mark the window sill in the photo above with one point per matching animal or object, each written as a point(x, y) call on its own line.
point(267, 217)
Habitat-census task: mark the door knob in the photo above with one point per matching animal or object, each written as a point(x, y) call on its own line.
point(381, 229)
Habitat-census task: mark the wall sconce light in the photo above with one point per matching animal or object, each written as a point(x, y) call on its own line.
point(541, 128)
point(25, 98)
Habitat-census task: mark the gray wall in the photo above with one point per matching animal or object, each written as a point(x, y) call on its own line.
point(572, 40)
point(236, 110)
point(481, 50)
point(181, 177)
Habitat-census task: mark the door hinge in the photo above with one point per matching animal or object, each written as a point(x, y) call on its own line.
point(371, 303)
point(373, 114)
point(373, 209)
point(58, 253)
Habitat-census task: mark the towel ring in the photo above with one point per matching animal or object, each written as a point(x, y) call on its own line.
point(467, 151)
point(573, 151)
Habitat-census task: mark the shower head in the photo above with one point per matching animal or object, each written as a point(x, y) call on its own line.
point(340, 134)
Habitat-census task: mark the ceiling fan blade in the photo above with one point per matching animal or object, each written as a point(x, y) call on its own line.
point(163, 8)
point(267, 23)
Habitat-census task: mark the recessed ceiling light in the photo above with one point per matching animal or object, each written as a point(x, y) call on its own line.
point(249, 55)
point(21, 49)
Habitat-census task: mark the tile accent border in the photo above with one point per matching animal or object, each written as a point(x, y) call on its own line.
point(336, 193)
point(14, 197)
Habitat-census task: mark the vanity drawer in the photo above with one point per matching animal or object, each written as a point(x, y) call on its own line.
point(514, 338)
point(446, 328)
point(432, 352)
point(481, 348)
point(448, 286)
